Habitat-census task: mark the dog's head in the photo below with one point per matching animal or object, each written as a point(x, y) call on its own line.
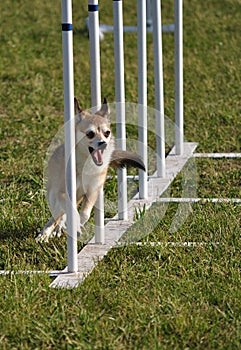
point(93, 131)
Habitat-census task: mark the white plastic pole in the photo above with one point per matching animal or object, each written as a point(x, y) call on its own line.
point(148, 15)
point(179, 77)
point(142, 95)
point(94, 53)
point(69, 118)
point(96, 102)
point(120, 104)
point(159, 92)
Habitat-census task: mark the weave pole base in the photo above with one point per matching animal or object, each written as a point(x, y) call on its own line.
point(92, 253)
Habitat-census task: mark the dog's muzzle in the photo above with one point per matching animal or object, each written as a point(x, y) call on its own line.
point(97, 154)
point(102, 145)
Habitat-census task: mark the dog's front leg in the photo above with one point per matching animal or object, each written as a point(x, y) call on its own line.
point(60, 228)
point(49, 230)
point(87, 205)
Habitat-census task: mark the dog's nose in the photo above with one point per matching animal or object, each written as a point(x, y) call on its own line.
point(102, 144)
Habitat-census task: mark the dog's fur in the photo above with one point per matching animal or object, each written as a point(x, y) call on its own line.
point(95, 152)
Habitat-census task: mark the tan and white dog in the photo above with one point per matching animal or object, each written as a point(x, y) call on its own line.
point(95, 152)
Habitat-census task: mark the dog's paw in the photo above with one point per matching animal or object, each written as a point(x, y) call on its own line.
point(83, 218)
point(45, 235)
point(79, 229)
point(58, 231)
point(42, 237)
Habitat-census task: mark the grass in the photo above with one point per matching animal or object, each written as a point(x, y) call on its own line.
point(214, 178)
point(162, 297)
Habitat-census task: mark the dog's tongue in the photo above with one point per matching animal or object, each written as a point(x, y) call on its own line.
point(97, 154)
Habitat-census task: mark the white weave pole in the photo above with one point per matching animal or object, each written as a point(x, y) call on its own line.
point(178, 34)
point(142, 95)
point(69, 128)
point(96, 102)
point(120, 104)
point(159, 91)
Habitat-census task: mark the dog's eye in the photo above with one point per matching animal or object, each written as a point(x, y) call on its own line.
point(90, 134)
point(107, 133)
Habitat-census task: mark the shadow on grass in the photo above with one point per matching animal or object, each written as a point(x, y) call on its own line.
point(12, 233)
point(19, 250)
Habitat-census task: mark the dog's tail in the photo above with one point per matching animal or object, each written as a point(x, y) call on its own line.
point(122, 159)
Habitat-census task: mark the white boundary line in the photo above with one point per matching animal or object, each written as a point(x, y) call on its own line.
point(53, 273)
point(217, 155)
point(64, 273)
point(167, 244)
point(202, 200)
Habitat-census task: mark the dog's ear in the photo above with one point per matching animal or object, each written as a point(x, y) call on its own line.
point(104, 111)
point(78, 109)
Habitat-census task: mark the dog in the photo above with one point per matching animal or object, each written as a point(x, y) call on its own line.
point(95, 153)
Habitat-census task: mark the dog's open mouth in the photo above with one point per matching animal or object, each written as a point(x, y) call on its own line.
point(97, 155)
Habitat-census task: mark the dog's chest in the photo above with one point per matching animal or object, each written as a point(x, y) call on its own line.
point(89, 176)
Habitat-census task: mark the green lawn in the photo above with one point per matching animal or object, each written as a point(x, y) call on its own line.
point(162, 297)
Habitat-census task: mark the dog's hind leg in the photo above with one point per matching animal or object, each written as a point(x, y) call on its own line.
point(56, 223)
